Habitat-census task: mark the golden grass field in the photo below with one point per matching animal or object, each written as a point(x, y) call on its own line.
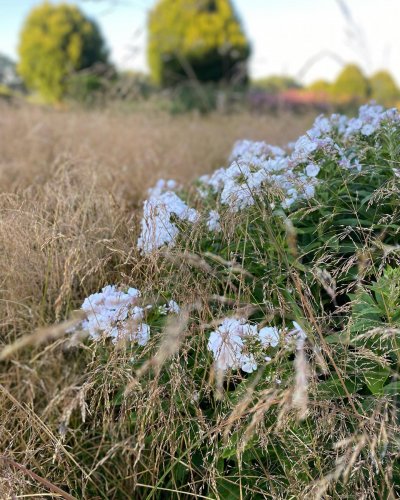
point(72, 183)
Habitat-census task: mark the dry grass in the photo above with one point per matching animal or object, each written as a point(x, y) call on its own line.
point(71, 185)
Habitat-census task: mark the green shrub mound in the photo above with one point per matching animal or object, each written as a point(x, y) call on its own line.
point(383, 88)
point(351, 84)
point(260, 358)
point(200, 40)
point(57, 41)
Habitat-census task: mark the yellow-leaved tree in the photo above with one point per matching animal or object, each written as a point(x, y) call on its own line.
point(196, 39)
point(57, 41)
point(384, 89)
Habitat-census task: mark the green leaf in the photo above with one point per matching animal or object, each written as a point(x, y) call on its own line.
point(376, 379)
point(228, 489)
point(392, 389)
point(342, 338)
point(333, 388)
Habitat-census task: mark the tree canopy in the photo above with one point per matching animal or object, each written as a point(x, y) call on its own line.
point(351, 84)
point(56, 41)
point(196, 39)
point(383, 88)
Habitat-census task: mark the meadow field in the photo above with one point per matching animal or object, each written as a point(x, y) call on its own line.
point(72, 187)
point(199, 250)
point(230, 335)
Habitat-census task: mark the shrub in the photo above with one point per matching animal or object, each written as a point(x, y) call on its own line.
point(322, 87)
point(277, 83)
point(383, 88)
point(56, 41)
point(196, 39)
point(293, 256)
point(351, 85)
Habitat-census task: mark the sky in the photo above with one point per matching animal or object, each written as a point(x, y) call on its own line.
point(307, 39)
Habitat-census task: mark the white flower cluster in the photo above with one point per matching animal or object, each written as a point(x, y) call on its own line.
point(158, 227)
point(162, 186)
point(239, 184)
point(116, 314)
point(172, 307)
point(246, 150)
point(295, 173)
point(254, 165)
point(231, 343)
point(213, 221)
point(227, 345)
point(369, 119)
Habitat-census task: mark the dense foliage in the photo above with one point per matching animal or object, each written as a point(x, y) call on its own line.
point(279, 275)
point(56, 41)
point(351, 84)
point(383, 88)
point(196, 40)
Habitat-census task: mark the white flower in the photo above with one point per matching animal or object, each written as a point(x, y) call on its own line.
point(252, 150)
point(142, 334)
point(248, 363)
point(309, 191)
point(292, 197)
point(161, 187)
point(298, 334)
point(368, 129)
point(133, 292)
point(303, 148)
point(226, 347)
point(227, 343)
point(157, 227)
point(173, 307)
point(113, 313)
point(320, 127)
point(312, 170)
point(216, 181)
point(213, 223)
point(269, 336)
point(163, 310)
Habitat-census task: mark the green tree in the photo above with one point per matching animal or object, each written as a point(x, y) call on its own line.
point(196, 39)
point(56, 41)
point(383, 88)
point(351, 84)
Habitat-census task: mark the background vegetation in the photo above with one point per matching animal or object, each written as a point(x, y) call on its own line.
point(197, 53)
point(56, 41)
point(196, 40)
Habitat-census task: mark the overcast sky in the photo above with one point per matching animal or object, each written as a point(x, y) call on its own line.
point(309, 39)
